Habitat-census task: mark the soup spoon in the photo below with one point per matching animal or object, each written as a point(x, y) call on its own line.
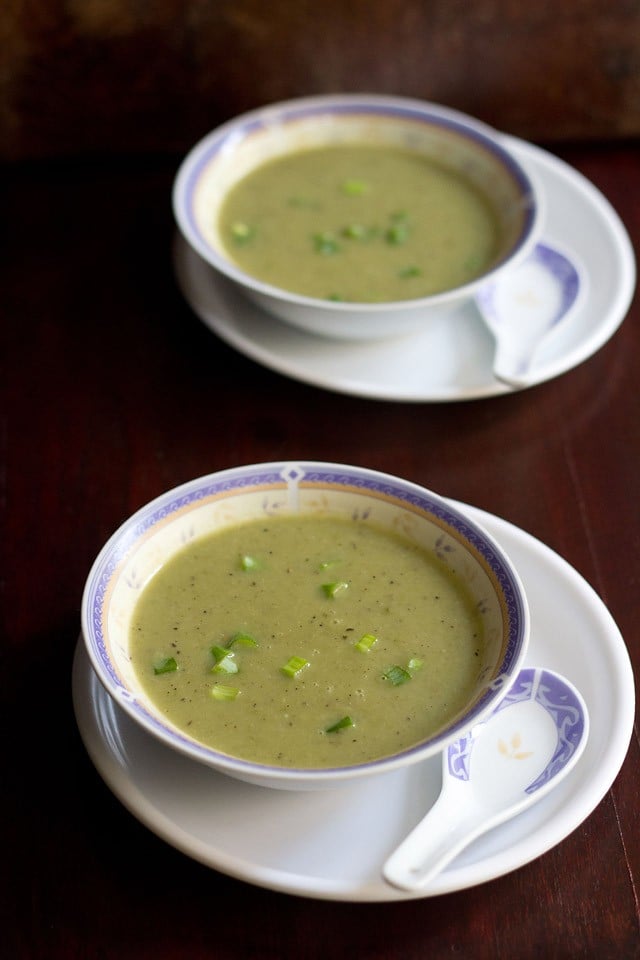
point(505, 764)
point(524, 305)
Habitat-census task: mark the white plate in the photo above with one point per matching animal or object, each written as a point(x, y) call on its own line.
point(451, 360)
point(332, 844)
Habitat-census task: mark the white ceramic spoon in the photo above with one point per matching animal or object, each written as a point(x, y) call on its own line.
point(506, 763)
point(525, 304)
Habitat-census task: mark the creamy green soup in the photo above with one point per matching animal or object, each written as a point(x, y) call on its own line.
point(306, 641)
point(359, 223)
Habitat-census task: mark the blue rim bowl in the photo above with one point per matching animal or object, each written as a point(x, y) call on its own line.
point(162, 527)
point(235, 148)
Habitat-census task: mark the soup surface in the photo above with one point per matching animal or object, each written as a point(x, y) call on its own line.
point(360, 224)
point(306, 641)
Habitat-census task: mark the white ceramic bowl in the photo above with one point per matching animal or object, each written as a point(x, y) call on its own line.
point(236, 148)
point(158, 530)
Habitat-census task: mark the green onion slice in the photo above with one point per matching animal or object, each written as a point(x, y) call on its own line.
point(306, 203)
point(355, 231)
point(294, 665)
point(326, 243)
point(366, 642)
point(355, 188)
point(340, 725)
point(241, 232)
point(225, 660)
point(410, 271)
point(332, 589)
point(168, 665)
point(397, 234)
point(244, 639)
point(222, 692)
point(397, 675)
point(414, 665)
point(249, 563)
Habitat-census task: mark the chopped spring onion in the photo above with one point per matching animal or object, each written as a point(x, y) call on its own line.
point(355, 231)
point(294, 665)
point(325, 564)
point(340, 725)
point(411, 271)
point(354, 188)
point(414, 665)
point(326, 243)
point(366, 642)
point(308, 203)
point(168, 665)
point(241, 232)
point(397, 234)
point(225, 662)
point(397, 675)
point(222, 692)
point(244, 639)
point(331, 589)
point(249, 563)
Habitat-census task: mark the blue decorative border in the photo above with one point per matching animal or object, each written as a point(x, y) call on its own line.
point(561, 269)
point(564, 272)
point(560, 702)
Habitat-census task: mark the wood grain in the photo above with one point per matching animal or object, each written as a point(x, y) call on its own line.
point(102, 76)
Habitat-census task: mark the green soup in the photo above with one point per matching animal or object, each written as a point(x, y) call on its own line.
point(360, 224)
point(306, 642)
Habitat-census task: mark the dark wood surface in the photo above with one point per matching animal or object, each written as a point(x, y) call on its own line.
point(112, 391)
point(87, 76)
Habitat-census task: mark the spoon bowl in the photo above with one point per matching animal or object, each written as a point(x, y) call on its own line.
point(525, 304)
point(531, 741)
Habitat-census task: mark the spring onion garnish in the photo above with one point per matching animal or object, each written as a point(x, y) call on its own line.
point(222, 692)
point(411, 271)
point(248, 563)
point(244, 639)
point(332, 589)
point(397, 234)
point(241, 232)
point(340, 725)
point(355, 231)
point(306, 203)
point(224, 660)
point(366, 642)
point(326, 243)
point(294, 665)
point(354, 188)
point(326, 564)
point(414, 665)
point(397, 675)
point(168, 665)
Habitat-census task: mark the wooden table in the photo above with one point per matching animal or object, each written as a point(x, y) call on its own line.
point(112, 392)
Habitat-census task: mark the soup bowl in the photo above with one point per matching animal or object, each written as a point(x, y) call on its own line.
point(462, 145)
point(161, 529)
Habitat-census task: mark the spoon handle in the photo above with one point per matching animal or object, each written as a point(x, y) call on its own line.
point(439, 837)
point(432, 843)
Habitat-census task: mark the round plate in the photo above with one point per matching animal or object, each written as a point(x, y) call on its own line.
point(251, 833)
point(451, 360)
